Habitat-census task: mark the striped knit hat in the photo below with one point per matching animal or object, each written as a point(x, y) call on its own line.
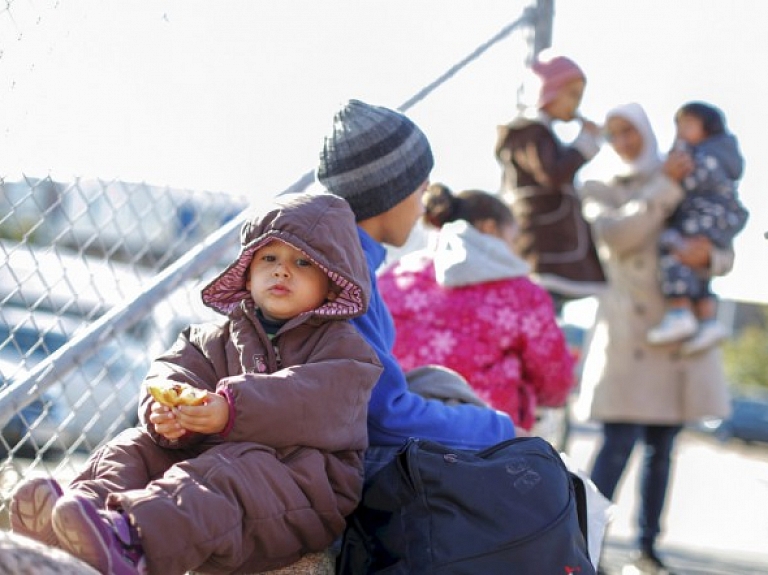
point(374, 158)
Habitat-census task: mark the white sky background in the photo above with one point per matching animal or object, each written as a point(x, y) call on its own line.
point(235, 96)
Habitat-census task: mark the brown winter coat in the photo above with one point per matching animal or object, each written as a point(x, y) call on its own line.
point(624, 379)
point(278, 483)
point(537, 184)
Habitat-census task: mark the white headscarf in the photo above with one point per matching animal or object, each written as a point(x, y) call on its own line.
point(649, 159)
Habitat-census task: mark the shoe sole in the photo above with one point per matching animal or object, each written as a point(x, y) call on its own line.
point(688, 350)
point(681, 335)
point(695, 346)
point(32, 509)
point(82, 532)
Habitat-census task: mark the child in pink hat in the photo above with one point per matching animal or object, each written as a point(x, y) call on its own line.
point(538, 182)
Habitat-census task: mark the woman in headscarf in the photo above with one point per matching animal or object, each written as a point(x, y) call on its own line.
point(641, 392)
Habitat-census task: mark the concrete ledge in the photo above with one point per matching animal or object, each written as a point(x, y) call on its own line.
point(311, 564)
point(20, 555)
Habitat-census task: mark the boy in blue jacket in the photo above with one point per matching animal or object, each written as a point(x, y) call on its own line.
point(379, 161)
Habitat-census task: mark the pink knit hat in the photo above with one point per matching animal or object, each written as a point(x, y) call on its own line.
point(555, 73)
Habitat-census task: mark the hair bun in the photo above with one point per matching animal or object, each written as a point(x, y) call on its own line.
point(440, 205)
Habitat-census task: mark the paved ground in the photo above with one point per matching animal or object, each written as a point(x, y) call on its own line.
point(717, 516)
point(682, 561)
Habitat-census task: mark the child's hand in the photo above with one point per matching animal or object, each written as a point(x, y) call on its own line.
point(528, 160)
point(678, 165)
point(164, 420)
point(211, 417)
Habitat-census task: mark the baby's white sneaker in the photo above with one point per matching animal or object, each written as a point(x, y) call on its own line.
point(711, 332)
point(676, 325)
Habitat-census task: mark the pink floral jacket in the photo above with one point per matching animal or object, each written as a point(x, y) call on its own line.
point(469, 305)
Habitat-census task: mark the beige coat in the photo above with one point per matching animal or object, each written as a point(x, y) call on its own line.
point(624, 379)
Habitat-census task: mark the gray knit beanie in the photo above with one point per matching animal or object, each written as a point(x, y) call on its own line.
point(374, 158)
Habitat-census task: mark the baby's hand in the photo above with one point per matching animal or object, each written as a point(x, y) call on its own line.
point(165, 422)
point(678, 165)
point(211, 417)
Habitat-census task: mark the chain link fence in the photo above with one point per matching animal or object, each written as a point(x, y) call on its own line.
point(71, 254)
point(97, 277)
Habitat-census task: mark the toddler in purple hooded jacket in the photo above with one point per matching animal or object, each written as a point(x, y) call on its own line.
point(267, 469)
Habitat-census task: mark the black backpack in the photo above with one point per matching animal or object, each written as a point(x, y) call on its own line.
point(511, 509)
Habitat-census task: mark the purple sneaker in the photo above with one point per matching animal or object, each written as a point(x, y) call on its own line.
point(103, 539)
point(32, 505)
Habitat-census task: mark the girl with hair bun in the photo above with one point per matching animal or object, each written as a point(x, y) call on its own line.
point(466, 303)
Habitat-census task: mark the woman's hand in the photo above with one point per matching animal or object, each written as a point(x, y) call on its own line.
point(694, 252)
point(678, 165)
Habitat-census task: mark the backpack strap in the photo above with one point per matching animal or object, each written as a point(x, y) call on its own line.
point(581, 502)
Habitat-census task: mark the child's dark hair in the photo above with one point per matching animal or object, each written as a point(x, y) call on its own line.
point(711, 117)
point(442, 206)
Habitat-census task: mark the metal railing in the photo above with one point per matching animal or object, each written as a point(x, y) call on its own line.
point(83, 312)
point(96, 278)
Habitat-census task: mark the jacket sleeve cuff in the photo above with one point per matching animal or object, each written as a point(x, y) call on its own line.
point(227, 394)
point(587, 144)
